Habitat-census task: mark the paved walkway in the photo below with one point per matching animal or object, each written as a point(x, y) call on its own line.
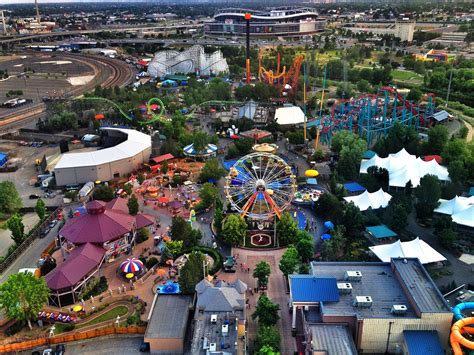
point(29, 220)
point(276, 292)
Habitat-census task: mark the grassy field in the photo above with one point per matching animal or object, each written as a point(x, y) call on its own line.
point(110, 315)
point(406, 75)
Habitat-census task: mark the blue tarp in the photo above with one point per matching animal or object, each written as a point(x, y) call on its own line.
point(381, 231)
point(309, 288)
point(311, 181)
point(423, 342)
point(3, 159)
point(354, 187)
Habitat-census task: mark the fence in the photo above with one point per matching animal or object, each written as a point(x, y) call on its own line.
point(89, 334)
point(35, 233)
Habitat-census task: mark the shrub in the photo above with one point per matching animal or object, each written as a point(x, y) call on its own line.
point(142, 235)
point(151, 262)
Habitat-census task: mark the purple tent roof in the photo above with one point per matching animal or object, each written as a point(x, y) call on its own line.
point(99, 225)
point(175, 204)
point(80, 263)
point(119, 204)
point(144, 220)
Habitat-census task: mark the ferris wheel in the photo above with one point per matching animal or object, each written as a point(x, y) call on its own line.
point(260, 186)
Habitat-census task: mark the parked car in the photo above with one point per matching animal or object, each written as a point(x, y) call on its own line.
point(60, 349)
point(34, 196)
point(44, 233)
point(52, 223)
point(145, 347)
point(48, 351)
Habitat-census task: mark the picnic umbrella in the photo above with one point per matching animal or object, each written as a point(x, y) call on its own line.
point(325, 236)
point(161, 272)
point(131, 265)
point(311, 173)
point(328, 225)
point(163, 200)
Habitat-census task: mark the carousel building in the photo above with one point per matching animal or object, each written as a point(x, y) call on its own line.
point(106, 232)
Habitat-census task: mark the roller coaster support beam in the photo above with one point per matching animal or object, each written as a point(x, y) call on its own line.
point(248, 16)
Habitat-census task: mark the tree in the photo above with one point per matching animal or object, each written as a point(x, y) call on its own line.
point(218, 219)
point(234, 230)
point(40, 209)
point(333, 248)
point(104, 193)
point(15, 225)
point(415, 94)
point(192, 272)
point(457, 172)
point(363, 85)
point(182, 230)
point(427, 195)
point(350, 149)
point(289, 261)
point(266, 311)
point(397, 217)
point(437, 139)
point(352, 219)
point(212, 170)
point(441, 223)
point(305, 245)
point(447, 238)
point(200, 141)
point(164, 167)
point(10, 200)
point(132, 205)
point(175, 247)
point(286, 229)
point(329, 207)
point(268, 340)
point(128, 189)
point(262, 272)
point(208, 194)
point(22, 296)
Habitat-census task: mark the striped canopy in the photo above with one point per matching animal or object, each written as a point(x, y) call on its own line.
point(132, 265)
point(210, 149)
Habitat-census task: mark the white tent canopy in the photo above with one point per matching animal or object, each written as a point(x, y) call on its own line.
point(289, 115)
point(403, 167)
point(366, 200)
point(461, 209)
point(415, 248)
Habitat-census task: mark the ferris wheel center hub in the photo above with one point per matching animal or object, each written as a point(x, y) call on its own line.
point(260, 185)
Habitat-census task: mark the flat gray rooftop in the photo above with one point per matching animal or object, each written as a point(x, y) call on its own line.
point(170, 317)
point(420, 285)
point(206, 332)
point(378, 282)
point(332, 338)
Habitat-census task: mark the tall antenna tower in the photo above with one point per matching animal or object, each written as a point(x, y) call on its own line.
point(3, 22)
point(37, 12)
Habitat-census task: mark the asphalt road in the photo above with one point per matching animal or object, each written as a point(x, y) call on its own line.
point(31, 255)
point(128, 345)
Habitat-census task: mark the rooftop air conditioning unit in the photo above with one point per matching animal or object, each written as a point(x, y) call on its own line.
point(225, 328)
point(205, 344)
point(213, 318)
point(399, 309)
point(363, 301)
point(353, 276)
point(213, 347)
point(344, 287)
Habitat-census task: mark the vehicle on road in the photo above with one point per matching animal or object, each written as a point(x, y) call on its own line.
point(44, 233)
point(34, 196)
point(144, 347)
point(52, 223)
point(60, 349)
point(229, 264)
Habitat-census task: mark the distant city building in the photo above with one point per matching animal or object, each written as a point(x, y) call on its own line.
point(276, 22)
point(192, 60)
point(402, 29)
point(373, 307)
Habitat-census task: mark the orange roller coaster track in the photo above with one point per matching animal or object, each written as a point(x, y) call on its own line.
point(281, 77)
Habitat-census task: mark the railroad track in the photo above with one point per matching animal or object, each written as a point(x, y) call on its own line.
point(120, 74)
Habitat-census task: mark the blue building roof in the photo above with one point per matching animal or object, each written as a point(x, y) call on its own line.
point(381, 231)
point(354, 187)
point(422, 342)
point(440, 116)
point(3, 159)
point(309, 288)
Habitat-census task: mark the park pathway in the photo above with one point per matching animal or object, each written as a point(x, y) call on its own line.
point(276, 292)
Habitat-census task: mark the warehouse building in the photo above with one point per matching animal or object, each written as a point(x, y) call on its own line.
point(380, 305)
point(133, 149)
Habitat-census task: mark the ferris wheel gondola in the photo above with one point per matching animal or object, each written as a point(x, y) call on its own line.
point(260, 186)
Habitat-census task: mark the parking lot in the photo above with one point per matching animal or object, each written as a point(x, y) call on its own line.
point(26, 175)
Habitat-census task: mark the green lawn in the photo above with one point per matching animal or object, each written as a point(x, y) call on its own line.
point(109, 315)
point(403, 75)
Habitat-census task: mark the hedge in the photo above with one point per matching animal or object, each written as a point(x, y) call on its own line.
point(218, 258)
